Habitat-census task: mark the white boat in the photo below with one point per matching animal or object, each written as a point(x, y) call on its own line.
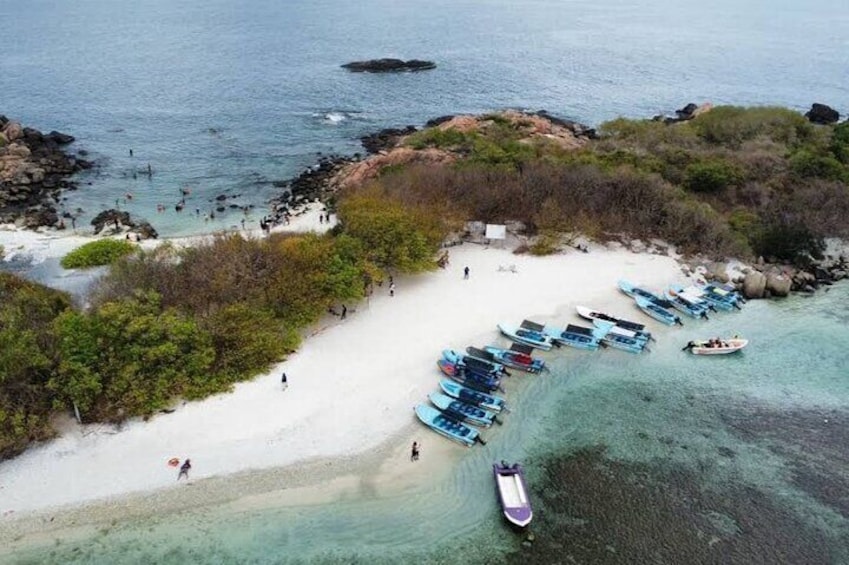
point(717, 346)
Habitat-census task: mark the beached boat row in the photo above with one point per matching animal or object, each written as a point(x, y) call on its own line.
point(467, 399)
point(607, 331)
point(694, 301)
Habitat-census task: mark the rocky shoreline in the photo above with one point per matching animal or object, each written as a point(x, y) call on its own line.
point(34, 169)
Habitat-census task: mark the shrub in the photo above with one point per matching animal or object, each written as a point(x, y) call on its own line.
point(246, 340)
point(97, 253)
point(710, 176)
point(790, 242)
point(130, 358)
point(730, 126)
point(545, 244)
point(441, 138)
point(27, 360)
point(807, 164)
point(392, 235)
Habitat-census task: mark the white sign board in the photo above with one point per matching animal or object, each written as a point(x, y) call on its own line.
point(496, 231)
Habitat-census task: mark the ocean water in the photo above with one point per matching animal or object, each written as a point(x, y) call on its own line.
point(224, 97)
point(659, 458)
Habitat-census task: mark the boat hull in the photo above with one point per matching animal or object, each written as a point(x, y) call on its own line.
point(471, 396)
point(455, 431)
point(512, 360)
point(468, 413)
point(657, 312)
point(733, 346)
point(513, 494)
point(528, 338)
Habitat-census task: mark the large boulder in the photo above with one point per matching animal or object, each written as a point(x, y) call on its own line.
point(822, 114)
point(778, 284)
point(754, 285)
point(718, 272)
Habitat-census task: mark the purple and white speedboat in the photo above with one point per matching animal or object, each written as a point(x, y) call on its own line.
point(513, 493)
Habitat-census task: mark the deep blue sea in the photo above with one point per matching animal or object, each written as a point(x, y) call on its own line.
point(223, 97)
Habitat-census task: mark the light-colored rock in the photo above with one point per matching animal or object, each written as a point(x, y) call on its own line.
point(637, 246)
point(13, 131)
point(754, 285)
point(778, 284)
point(18, 150)
point(718, 272)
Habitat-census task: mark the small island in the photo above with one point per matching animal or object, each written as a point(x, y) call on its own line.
point(389, 66)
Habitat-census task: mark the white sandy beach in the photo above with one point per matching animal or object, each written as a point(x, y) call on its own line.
point(351, 387)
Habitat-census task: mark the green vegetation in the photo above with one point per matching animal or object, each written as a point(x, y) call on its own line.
point(97, 253)
point(743, 181)
point(27, 353)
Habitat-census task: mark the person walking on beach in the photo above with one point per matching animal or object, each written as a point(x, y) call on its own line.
point(392, 289)
point(284, 381)
point(184, 470)
point(414, 452)
point(466, 273)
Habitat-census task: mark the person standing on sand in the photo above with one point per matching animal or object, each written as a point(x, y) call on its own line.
point(466, 273)
point(184, 470)
point(414, 452)
point(284, 381)
point(392, 289)
point(344, 312)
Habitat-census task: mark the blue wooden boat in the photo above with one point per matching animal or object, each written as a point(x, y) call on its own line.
point(470, 396)
point(593, 315)
point(725, 289)
point(483, 383)
point(694, 293)
point(473, 363)
point(723, 294)
point(460, 410)
point(619, 338)
point(517, 357)
point(634, 291)
point(528, 333)
point(693, 307)
point(513, 493)
point(489, 357)
point(657, 312)
point(448, 427)
point(576, 336)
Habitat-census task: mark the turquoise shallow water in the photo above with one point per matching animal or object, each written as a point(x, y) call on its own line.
point(224, 97)
point(755, 443)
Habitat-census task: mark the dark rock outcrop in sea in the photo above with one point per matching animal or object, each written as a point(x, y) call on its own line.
point(389, 66)
point(385, 139)
point(684, 114)
point(822, 114)
point(114, 221)
point(33, 170)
